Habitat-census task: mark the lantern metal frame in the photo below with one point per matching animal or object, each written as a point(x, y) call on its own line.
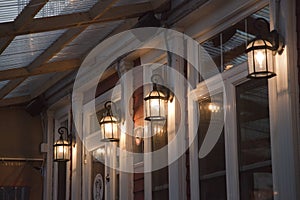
point(110, 118)
point(65, 143)
point(160, 93)
point(271, 40)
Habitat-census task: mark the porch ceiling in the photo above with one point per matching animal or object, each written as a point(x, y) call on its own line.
point(44, 41)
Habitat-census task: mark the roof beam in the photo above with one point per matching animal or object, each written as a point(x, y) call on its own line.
point(43, 69)
point(14, 101)
point(59, 44)
point(24, 18)
point(77, 19)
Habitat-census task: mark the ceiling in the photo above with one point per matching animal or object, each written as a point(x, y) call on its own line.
point(44, 41)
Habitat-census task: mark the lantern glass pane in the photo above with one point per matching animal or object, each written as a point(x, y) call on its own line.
point(61, 150)
point(260, 59)
point(155, 106)
point(109, 127)
point(158, 127)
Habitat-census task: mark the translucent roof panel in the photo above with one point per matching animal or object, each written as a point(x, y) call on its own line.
point(62, 7)
point(10, 9)
point(25, 48)
point(29, 85)
point(3, 83)
point(86, 41)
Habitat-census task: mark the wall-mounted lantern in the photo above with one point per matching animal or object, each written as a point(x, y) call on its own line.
point(62, 146)
point(109, 124)
point(261, 51)
point(156, 100)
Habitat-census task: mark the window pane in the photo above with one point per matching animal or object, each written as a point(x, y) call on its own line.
point(254, 140)
point(253, 122)
point(227, 48)
point(213, 188)
point(257, 184)
point(212, 167)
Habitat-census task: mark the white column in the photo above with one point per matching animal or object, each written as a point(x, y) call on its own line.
point(284, 107)
point(126, 160)
point(77, 150)
point(48, 181)
point(193, 55)
point(177, 170)
point(147, 145)
point(231, 148)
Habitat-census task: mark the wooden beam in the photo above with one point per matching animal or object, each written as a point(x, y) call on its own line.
point(24, 18)
point(76, 20)
point(14, 101)
point(43, 69)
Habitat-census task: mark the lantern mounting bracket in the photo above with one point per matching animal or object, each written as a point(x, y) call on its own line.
point(273, 36)
point(70, 138)
point(169, 94)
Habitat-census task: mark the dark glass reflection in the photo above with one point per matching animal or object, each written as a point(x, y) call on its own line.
point(212, 167)
point(254, 140)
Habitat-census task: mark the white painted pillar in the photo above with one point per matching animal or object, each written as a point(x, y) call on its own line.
point(126, 160)
point(177, 170)
point(193, 55)
point(77, 150)
point(284, 107)
point(147, 145)
point(48, 181)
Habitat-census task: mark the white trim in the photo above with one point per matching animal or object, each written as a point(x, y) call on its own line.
point(284, 107)
point(147, 143)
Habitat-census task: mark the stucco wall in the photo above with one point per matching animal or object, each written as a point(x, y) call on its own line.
point(20, 134)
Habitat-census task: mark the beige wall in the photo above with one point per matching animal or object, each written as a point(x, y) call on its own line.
point(20, 134)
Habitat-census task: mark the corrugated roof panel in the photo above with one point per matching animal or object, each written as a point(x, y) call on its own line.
point(86, 41)
point(61, 7)
point(25, 48)
point(3, 83)
point(29, 85)
point(10, 9)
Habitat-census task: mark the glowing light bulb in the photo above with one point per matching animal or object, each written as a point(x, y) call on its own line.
point(155, 105)
point(260, 58)
point(213, 107)
point(61, 149)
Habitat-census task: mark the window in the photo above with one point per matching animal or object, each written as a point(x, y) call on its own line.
point(9, 193)
point(254, 140)
point(212, 167)
point(227, 49)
